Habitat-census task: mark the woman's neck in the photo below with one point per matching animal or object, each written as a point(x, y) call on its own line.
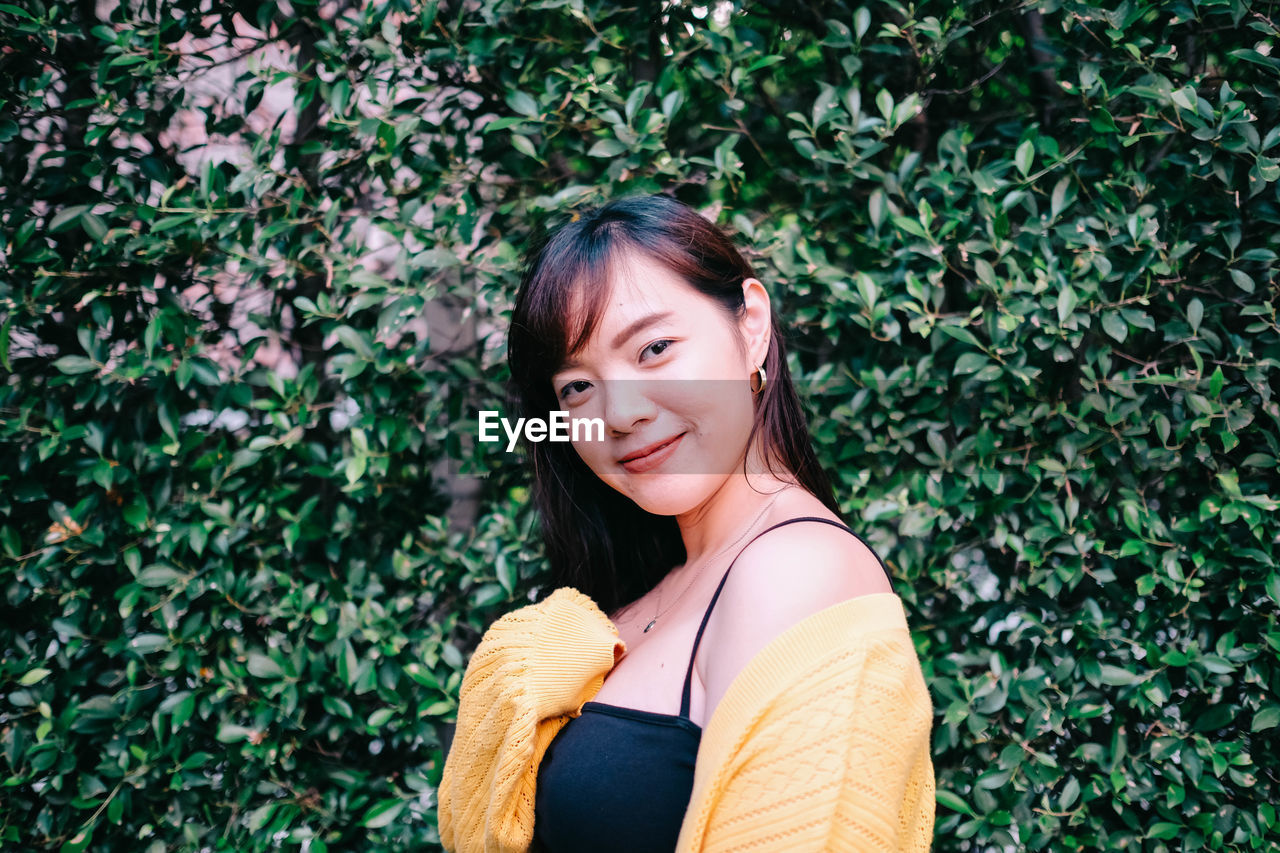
point(723, 517)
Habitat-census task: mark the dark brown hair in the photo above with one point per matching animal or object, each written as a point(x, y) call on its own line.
point(597, 539)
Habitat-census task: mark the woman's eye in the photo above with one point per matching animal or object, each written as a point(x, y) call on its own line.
point(575, 387)
point(656, 348)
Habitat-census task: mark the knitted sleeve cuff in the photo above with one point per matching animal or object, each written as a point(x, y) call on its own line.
point(575, 648)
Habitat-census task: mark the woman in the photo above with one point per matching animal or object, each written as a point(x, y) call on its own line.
point(777, 706)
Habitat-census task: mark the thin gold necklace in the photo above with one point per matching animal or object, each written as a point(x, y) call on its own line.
point(703, 567)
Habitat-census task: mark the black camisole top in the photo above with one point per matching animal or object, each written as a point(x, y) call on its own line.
point(619, 779)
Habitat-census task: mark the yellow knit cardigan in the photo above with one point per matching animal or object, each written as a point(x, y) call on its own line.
point(820, 743)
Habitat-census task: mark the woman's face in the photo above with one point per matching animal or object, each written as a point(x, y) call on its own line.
point(668, 372)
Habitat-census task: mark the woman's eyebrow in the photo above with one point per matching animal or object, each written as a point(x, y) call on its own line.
point(640, 325)
point(623, 336)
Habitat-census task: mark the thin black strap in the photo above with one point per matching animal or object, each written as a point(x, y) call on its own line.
point(688, 676)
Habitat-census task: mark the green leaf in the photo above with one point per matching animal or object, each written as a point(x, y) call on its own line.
point(522, 144)
point(954, 802)
point(1165, 829)
point(910, 225)
point(1184, 98)
point(986, 273)
point(354, 340)
point(339, 95)
point(1102, 123)
point(75, 364)
point(263, 666)
point(146, 644)
point(1272, 586)
point(1067, 301)
point(765, 62)
point(884, 103)
point(232, 733)
point(506, 573)
point(17, 10)
point(1217, 664)
point(159, 576)
point(93, 225)
point(356, 466)
point(4, 343)
point(1115, 326)
point(970, 362)
point(1117, 676)
point(380, 718)
point(382, 814)
point(78, 842)
point(959, 333)
point(1266, 718)
point(34, 676)
point(1024, 156)
point(1216, 380)
point(259, 817)
point(1058, 199)
point(67, 218)
point(1070, 793)
point(523, 103)
point(504, 123)
point(861, 22)
point(606, 148)
point(877, 207)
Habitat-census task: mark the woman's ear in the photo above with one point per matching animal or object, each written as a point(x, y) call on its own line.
point(755, 324)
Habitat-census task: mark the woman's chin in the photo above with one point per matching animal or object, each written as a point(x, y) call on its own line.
point(668, 494)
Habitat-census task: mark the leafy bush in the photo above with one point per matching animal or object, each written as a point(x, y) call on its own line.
point(257, 264)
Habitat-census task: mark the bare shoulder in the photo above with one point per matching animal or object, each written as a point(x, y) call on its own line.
point(797, 570)
point(779, 580)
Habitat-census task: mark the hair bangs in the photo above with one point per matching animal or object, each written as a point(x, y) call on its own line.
point(568, 292)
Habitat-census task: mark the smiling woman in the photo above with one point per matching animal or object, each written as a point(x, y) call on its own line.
point(793, 716)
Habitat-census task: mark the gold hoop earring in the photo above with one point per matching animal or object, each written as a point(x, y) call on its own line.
point(763, 380)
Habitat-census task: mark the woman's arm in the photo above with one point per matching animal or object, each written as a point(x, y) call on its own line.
point(533, 667)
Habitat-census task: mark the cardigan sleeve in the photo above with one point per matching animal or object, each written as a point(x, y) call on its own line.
point(533, 670)
point(837, 758)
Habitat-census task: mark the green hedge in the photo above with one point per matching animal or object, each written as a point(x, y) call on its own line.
point(1027, 255)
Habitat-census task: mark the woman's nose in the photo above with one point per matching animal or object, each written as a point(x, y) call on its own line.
point(627, 405)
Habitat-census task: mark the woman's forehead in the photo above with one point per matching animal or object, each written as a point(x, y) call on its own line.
point(637, 290)
point(633, 295)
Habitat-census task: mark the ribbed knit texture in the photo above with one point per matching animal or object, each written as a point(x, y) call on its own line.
point(533, 670)
point(820, 744)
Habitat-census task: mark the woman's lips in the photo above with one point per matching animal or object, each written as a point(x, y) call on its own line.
point(652, 459)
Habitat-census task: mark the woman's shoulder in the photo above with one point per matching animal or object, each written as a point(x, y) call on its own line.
point(779, 580)
point(799, 569)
